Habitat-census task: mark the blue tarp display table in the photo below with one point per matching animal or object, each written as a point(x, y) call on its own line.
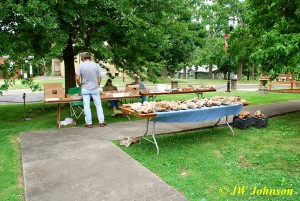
point(198, 114)
point(188, 116)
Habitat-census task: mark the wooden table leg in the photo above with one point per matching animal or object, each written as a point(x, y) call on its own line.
point(58, 114)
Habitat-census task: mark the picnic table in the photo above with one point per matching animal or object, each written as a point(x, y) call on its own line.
point(152, 94)
point(60, 101)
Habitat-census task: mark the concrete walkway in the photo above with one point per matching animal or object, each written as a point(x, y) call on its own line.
point(72, 164)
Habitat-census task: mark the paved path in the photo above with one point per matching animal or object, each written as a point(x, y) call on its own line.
point(72, 164)
point(17, 96)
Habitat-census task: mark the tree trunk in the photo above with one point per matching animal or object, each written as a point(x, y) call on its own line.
point(44, 67)
point(173, 74)
point(210, 71)
point(123, 75)
point(164, 72)
point(252, 72)
point(240, 71)
point(184, 72)
point(68, 56)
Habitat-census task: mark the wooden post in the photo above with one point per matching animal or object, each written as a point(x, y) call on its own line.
point(123, 75)
point(270, 85)
point(292, 81)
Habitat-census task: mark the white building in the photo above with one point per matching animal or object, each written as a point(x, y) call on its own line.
point(197, 72)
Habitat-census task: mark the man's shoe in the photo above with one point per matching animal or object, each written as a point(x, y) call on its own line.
point(103, 124)
point(88, 125)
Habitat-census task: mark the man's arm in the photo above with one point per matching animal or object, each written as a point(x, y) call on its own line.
point(142, 86)
point(99, 80)
point(77, 78)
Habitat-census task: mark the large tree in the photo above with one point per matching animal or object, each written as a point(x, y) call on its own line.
point(131, 33)
point(241, 45)
point(277, 26)
point(213, 16)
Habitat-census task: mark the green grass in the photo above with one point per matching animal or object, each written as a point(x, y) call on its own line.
point(199, 163)
point(44, 118)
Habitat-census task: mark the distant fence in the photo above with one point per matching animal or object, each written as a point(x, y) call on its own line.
point(281, 79)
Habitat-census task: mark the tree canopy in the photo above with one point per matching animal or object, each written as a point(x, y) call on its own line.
point(136, 33)
point(276, 24)
point(147, 37)
point(213, 17)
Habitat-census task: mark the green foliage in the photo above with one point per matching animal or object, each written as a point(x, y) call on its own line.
point(278, 45)
point(241, 44)
point(211, 53)
point(151, 37)
point(128, 33)
point(278, 52)
point(213, 21)
point(12, 69)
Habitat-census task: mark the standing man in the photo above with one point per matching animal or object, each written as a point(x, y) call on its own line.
point(88, 77)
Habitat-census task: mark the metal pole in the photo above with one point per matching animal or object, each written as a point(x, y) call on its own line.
point(24, 96)
point(229, 63)
point(228, 71)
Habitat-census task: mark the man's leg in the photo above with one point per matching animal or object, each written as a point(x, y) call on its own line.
point(114, 106)
point(97, 102)
point(115, 103)
point(112, 103)
point(143, 98)
point(86, 104)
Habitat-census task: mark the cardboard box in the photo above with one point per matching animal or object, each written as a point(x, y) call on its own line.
point(187, 89)
point(133, 89)
point(52, 85)
point(53, 90)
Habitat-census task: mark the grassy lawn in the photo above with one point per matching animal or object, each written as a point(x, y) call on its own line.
point(217, 144)
point(208, 164)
